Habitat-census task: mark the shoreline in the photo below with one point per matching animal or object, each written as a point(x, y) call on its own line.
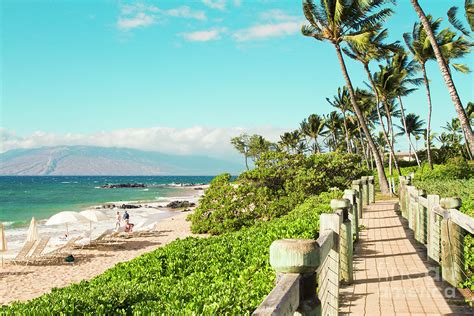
point(150, 208)
point(25, 282)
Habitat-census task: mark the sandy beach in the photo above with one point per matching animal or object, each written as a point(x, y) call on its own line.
point(21, 283)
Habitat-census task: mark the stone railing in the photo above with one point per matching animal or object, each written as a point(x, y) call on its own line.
point(438, 224)
point(308, 272)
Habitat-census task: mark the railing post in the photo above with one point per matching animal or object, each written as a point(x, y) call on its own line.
point(328, 272)
point(371, 189)
point(401, 198)
point(365, 191)
point(357, 186)
point(411, 206)
point(434, 229)
point(353, 216)
point(451, 244)
point(421, 219)
point(297, 256)
point(341, 207)
point(406, 196)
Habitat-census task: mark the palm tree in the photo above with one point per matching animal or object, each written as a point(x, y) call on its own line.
point(414, 127)
point(313, 127)
point(291, 141)
point(419, 45)
point(402, 73)
point(469, 135)
point(444, 139)
point(341, 101)
point(336, 22)
point(382, 142)
point(241, 144)
point(334, 125)
point(469, 9)
point(375, 49)
point(383, 83)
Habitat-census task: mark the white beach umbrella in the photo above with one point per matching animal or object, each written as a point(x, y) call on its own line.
point(94, 216)
point(3, 241)
point(32, 231)
point(66, 217)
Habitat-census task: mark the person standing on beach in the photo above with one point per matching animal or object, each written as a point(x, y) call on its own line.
point(118, 220)
point(126, 216)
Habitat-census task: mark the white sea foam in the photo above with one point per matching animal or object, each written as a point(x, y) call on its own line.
point(16, 236)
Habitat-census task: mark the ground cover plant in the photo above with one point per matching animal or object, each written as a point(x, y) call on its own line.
point(454, 179)
point(226, 274)
point(279, 182)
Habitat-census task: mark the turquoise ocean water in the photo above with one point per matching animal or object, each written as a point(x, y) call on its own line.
point(24, 197)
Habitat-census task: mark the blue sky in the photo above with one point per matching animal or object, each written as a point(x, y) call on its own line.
point(87, 71)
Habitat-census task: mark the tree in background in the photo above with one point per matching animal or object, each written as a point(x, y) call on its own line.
point(374, 49)
point(334, 125)
point(349, 22)
point(313, 127)
point(341, 101)
point(414, 127)
point(469, 14)
point(464, 120)
point(241, 143)
point(258, 145)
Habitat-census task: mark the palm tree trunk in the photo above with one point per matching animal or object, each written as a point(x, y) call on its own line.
point(377, 100)
point(406, 132)
point(430, 109)
point(362, 145)
point(346, 132)
point(390, 129)
point(378, 161)
point(466, 126)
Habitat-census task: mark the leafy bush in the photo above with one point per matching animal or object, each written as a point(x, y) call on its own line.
point(455, 169)
point(279, 182)
point(453, 180)
point(227, 274)
point(468, 262)
point(463, 188)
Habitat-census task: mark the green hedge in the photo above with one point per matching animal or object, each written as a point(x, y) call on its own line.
point(227, 274)
point(278, 183)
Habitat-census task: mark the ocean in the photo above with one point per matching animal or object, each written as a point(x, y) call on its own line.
point(42, 196)
point(23, 197)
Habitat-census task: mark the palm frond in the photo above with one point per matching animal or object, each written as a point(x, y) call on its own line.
point(463, 68)
point(452, 18)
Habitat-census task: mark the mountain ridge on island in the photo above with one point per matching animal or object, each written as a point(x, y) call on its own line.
point(111, 161)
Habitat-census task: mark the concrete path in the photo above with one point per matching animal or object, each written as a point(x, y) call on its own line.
point(391, 272)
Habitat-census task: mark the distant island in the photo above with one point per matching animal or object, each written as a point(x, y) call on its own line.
point(91, 160)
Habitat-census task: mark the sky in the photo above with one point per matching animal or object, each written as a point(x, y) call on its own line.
point(178, 76)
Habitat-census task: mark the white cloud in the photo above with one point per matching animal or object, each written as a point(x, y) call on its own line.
point(197, 140)
point(265, 31)
point(215, 4)
point(278, 15)
point(140, 15)
point(186, 12)
point(204, 36)
point(139, 20)
point(274, 23)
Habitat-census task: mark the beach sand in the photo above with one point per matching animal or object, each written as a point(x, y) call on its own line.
point(21, 283)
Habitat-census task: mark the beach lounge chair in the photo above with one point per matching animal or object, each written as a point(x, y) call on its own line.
point(40, 246)
point(86, 242)
point(23, 253)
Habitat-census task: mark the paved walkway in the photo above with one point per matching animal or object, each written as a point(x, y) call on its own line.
point(391, 272)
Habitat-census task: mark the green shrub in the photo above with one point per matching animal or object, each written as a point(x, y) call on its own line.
point(227, 274)
point(279, 182)
point(455, 169)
